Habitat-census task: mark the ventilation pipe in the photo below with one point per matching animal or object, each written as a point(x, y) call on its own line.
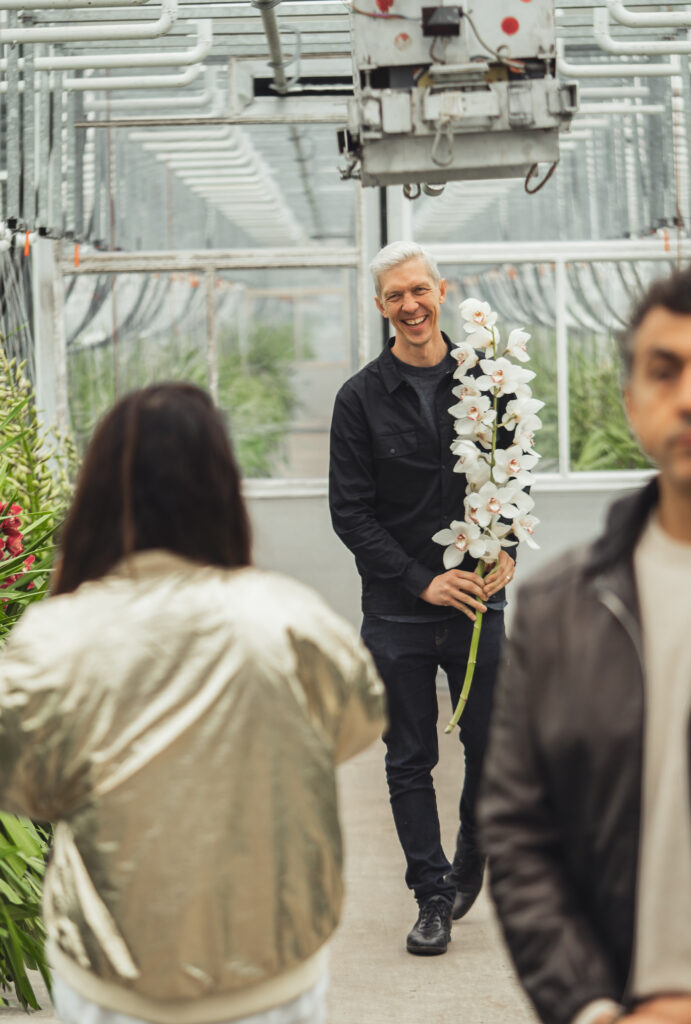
point(199, 99)
point(100, 83)
point(648, 19)
point(618, 70)
point(90, 33)
point(649, 48)
point(614, 92)
point(621, 108)
point(43, 5)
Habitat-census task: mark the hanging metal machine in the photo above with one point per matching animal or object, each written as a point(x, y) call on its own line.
point(451, 92)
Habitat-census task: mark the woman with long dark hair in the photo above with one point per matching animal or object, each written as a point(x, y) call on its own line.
point(178, 714)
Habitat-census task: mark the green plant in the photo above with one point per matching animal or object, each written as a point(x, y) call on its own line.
point(255, 384)
point(34, 489)
point(256, 390)
point(599, 431)
point(23, 849)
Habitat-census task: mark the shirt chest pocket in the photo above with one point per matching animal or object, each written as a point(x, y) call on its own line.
point(391, 446)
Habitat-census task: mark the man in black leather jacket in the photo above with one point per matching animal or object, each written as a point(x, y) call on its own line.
point(585, 808)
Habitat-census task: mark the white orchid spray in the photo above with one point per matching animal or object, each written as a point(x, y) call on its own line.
point(497, 508)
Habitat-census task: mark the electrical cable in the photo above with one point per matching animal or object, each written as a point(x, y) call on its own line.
point(385, 17)
point(514, 65)
point(531, 174)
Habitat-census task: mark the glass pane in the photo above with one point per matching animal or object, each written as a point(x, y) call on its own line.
point(598, 299)
point(277, 367)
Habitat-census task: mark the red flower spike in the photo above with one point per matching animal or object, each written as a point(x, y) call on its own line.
point(14, 545)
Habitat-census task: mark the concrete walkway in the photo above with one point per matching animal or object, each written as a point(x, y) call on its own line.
point(373, 979)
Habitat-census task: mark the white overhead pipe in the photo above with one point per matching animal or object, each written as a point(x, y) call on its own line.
point(232, 153)
point(613, 92)
point(591, 122)
point(648, 19)
point(183, 147)
point(620, 70)
point(219, 165)
point(621, 108)
point(643, 49)
point(199, 99)
point(193, 160)
point(247, 183)
point(162, 58)
point(42, 5)
point(189, 136)
point(89, 33)
point(101, 83)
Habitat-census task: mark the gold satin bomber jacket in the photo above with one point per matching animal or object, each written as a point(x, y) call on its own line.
point(181, 724)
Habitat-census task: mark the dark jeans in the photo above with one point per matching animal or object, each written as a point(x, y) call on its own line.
point(407, 655)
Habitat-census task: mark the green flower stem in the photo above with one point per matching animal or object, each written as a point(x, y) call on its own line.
point(470, 667)
point(477, 625)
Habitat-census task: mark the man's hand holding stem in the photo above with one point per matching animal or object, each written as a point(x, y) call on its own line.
point(467, 591)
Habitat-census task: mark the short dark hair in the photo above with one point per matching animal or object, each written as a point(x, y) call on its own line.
point(159, 473)
point(672, 293)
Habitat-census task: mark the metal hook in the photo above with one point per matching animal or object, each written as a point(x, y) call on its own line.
point(409, 193)
point(442, 150)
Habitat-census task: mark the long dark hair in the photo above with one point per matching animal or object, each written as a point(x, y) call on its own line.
point(159, 473)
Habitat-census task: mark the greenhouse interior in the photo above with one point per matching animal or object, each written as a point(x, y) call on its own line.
point(193, 190)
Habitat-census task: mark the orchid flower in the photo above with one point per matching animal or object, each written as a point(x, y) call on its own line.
point(524, 435)
point(490, 501)
point(497, 508)
point(479, 314)
point(518, 409)
point(514, 462)
point(465, 355)
point(516, 345)
point(462, 538)
point(482, 337)
point(523, 527)
point(471, 410)
point(466, 386)
point(502, 377)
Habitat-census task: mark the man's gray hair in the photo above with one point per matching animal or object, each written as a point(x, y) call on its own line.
point(400, 252)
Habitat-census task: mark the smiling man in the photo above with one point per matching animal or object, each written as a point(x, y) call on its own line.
point(392, 487)
point(586, 805)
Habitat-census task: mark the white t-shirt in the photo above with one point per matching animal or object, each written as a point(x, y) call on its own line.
point(662, 954)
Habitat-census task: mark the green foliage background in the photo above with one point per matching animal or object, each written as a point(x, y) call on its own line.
point(255, 387)
point(599, 434)
point(34, 474)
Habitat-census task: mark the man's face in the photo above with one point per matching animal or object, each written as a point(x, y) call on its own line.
point(658, 394)
point(411, 300)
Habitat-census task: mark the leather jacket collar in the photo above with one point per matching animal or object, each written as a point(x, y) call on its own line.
point(610, 560)
point(625, 523)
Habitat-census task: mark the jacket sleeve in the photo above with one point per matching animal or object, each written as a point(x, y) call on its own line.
point(559, 958)
point(352, 491)
point(40, 773)
point(344, 695)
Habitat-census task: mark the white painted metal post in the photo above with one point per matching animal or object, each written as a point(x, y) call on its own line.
point(211, 354)
point(562, 368)
point(363, 283)
point(49, 334)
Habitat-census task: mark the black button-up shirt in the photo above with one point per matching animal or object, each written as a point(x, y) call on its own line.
point(392, 486)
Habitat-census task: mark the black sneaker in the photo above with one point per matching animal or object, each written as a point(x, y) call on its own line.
point(431, 933)
point(466, 874)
